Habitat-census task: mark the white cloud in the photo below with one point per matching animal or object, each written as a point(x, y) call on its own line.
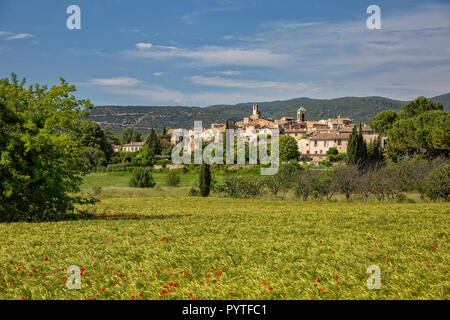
point(15, 36)
point(19, 36)
point(228, 72)
point(250, 84)
point(114, 82)
point(213, 55)
point(143, 45)
point(158, 74)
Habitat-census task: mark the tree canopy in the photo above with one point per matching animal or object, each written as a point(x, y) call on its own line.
point(288, 148)
point(40, 160)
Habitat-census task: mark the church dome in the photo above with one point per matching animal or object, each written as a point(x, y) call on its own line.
point(301, 109)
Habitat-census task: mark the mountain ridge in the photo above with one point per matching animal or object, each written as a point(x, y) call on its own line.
point(144, 118)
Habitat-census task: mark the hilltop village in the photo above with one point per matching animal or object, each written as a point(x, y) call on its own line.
point(314, 138)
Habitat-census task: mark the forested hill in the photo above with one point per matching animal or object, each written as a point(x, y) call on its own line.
point(145, 117)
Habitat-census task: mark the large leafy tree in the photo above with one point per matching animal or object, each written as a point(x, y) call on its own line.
point(40, 161)
point(129, 135)
point(288, 148)
point(92, 136)
point(427, 134)
point(383, 121)
point(419, 106)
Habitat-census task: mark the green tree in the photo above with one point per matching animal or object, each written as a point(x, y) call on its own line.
point(91, 135)
point(288, 148)
point(41, 166)
point(94, 157)
point(375, 153)
point(154, 144)
point(129, 135)
point(356, 148)
point(383, 121)
point(419, 106)
point(427, 134)
point(205, 179)
point(437, 184)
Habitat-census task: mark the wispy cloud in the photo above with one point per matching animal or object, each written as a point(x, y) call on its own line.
point(114, 82)
point(143, 45)
point(228, 72)
point(250, 84)
point(214, 55)
point(6, 35)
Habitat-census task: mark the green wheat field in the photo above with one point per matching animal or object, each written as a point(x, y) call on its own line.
point(175, 247)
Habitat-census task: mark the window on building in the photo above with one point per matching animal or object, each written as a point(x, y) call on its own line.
point(315, 144)
point(325, 143)
point(339, 142)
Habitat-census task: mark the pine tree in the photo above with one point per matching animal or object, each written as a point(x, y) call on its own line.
point(164, 131)
point(205, 180)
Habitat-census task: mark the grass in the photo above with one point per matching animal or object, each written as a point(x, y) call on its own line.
point(217, 248)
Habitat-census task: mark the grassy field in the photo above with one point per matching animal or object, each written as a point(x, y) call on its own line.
point(217, 248)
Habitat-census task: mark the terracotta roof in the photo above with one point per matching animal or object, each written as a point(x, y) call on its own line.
point(365, 128)
point(330, 136)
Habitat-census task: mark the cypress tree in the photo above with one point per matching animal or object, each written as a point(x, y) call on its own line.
point(154, 144)
point(362, 148)
point(357, 148)
point(374, 153)
point(352, 148)
point(205, 180)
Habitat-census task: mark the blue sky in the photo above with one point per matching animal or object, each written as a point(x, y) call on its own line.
point(199, 53)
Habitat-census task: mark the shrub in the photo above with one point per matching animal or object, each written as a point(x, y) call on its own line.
point(437, 184)
point(194, 192)
point(142, 178)
point(241, 187)
point(332, 151)
point(172, 179)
